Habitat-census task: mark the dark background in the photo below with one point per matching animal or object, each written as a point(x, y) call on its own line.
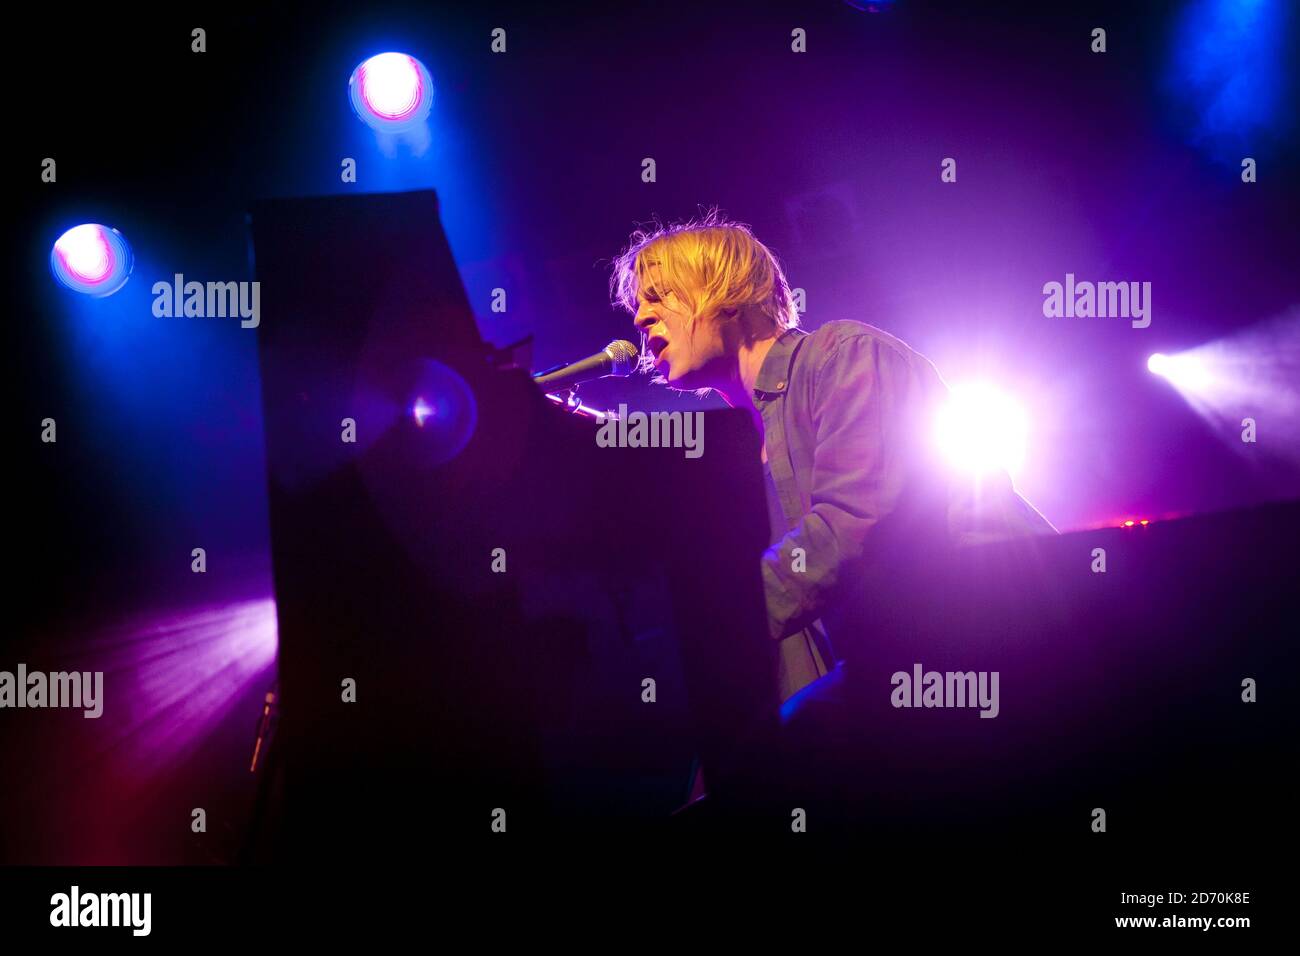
point(1068, 161)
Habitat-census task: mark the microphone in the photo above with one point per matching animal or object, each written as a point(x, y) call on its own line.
point(617, 358)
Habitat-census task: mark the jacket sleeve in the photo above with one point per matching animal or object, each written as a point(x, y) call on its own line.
point(866, 398)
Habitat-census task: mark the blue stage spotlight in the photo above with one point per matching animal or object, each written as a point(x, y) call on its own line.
point(91, 259)
point(1229, 78)
point(391, 92)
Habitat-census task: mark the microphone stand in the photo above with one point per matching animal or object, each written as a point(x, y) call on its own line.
point(570, 402)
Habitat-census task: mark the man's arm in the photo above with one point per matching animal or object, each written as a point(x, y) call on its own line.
point(868, 400)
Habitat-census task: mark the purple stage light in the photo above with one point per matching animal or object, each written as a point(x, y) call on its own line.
point(980, 430)
point(1183, 371)
point(91, 259)
point(1247, 382)
point(443, 407)
point(421, 411)
point(391, 92)
point(175, 674)
point(183, 684)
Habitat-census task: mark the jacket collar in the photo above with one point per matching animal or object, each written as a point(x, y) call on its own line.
point(774, 376)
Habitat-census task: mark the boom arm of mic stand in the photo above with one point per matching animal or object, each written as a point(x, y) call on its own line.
point(569, 400)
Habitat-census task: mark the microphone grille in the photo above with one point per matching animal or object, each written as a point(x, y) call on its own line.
point(625, 356)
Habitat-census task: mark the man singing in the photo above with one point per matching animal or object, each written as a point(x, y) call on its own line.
point(845, 413)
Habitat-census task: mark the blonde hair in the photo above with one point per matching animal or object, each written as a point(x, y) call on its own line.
point(714, 265)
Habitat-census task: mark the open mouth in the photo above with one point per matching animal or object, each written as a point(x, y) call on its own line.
point(657, 344)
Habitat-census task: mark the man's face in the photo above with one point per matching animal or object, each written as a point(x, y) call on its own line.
point(687, 356)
